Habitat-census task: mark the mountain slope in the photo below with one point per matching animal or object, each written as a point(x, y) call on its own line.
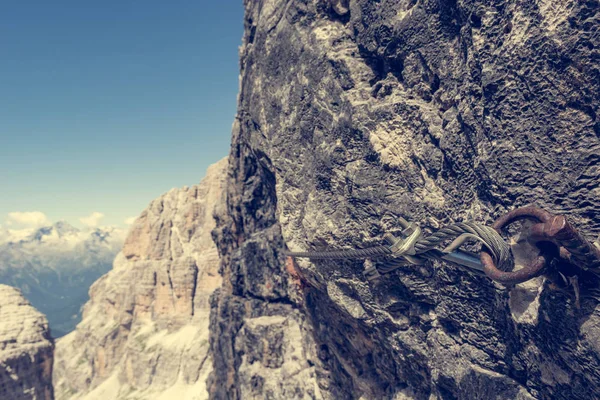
point(54, 267)
point(144, 332)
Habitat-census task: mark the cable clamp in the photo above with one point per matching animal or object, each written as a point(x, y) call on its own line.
point(405, 246)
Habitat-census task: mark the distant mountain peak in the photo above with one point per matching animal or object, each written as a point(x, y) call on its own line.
point(59, 230)
point(100, 235)
point(63, 227)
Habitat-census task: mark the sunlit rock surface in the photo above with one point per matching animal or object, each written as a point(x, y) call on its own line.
point(144, 332)
point(26, 349)
point(354, 112)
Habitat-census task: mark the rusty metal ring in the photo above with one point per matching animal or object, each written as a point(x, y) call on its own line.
point(528, 272)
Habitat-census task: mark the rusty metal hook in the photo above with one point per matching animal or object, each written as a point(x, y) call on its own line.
point(559, 231)
point(549, 228)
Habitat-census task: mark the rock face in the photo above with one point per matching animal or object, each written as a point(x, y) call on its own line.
point(354, 112)
point(26, 349)
point(144, 332)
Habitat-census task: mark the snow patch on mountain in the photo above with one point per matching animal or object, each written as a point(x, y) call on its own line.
point(60, 238)
point(55, 265)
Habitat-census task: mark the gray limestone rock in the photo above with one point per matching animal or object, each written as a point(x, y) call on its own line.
point(354, 113)
point(26, 349)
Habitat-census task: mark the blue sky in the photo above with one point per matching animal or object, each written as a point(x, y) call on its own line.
point(105, 105)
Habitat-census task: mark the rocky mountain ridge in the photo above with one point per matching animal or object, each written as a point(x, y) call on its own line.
point(144, 332)
point(63, 235)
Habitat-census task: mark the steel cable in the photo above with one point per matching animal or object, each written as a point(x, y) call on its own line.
point(424, 247)
point(369, 252)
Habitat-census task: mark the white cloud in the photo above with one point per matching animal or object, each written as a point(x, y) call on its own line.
point(130, 220)
point(34, 219)
point(92, 220)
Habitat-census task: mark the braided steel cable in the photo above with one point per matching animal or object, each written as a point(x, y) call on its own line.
point(395, 263)
point(488, 236)
point(369, 252)
point(453, 231)
point(580, 257)
point(424, 246)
